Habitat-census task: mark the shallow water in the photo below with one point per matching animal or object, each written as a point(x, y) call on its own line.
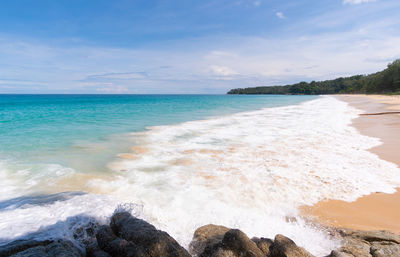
point(183, 161)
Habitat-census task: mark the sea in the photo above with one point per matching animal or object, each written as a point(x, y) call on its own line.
point(68, 162)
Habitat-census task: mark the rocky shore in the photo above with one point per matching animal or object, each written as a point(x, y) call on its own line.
point(129, 236)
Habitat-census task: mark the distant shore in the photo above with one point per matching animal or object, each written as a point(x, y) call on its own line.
point(378, 210)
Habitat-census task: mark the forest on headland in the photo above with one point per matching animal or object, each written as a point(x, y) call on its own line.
point(383, 82)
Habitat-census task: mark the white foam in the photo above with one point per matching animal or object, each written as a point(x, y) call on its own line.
point(61, 216)
point(18, 179)
point(250, 170)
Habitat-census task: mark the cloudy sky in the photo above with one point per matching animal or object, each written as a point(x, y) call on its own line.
point(187, 46)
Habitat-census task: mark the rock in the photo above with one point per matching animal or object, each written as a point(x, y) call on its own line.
point(32, 252)
point(116, 246)
point(368, 243)
point(221, 252)
point(385, 250)
point(285, 247)
point(206, 235)
point(19, 246)
point(98, 253)
point(235, 243)
point(264, 244)
point(129, 236)
point(104, 238)
point(59, 248)
point(371, 236)
point(336, 253)
point(238, 242)
point(356, 247)
point(93, 250)
point(218, 250)
point(130, 228)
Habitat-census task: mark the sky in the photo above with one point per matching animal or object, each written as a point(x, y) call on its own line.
point(190, 47)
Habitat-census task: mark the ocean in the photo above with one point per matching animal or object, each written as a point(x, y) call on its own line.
point(67, 162)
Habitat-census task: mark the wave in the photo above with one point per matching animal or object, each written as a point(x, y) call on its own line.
point(250, 170)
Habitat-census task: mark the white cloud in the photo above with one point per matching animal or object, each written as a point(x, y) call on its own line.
point(356, 1)
point(280, 15)
point(257, 3)
point(211, 64)
point(219, 55)
point(239, 61)
point(112, 89)
point(222, 71)
point(119, 75)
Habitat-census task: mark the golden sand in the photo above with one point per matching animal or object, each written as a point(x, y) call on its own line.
point(392, 100)
point(377, 210)
point(372, 212)
point(78, 182)
point(140, 149)
point(181, 162)
point(129, 156)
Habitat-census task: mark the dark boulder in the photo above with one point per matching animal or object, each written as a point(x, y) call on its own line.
point(58, 248)
point(264, 244)
point(130, 236)
point(93, 250)
point(238, 242)
point(19, 246)
point(61, 248)
point(336, 253)
point(206, 235)
point(235, 243)
point(285, 247)
point(32, 252)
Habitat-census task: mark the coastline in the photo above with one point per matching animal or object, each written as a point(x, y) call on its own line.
point(377, 211)
point(96, 242)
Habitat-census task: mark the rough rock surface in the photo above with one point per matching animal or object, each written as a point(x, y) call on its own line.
point(238, 242)
point(129, 236)
point(235, 243)
point(285, 247)
point(19, 246)
point(206, 235)
point(218, 241)
point(381, 250)
point(264, 244)
point(32, 248)
point(357, 243)
point(336, 253)
point(133, 237)
point(93, 249)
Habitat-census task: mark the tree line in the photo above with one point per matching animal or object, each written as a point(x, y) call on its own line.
point(383, 82)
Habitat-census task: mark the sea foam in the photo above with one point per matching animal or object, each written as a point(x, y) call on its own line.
point(253, 170)
point(250, 170)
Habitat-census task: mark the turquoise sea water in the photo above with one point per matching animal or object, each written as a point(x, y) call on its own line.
point(85, 132)
point(180, 162)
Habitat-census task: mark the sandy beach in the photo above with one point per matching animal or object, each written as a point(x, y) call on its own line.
point(378, 210)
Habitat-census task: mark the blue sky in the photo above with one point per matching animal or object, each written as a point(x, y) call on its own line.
point(185, 46)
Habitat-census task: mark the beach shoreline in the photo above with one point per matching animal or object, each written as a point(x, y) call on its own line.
point(377, 211)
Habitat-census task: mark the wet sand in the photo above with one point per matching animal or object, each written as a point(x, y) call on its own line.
point(377, 210)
